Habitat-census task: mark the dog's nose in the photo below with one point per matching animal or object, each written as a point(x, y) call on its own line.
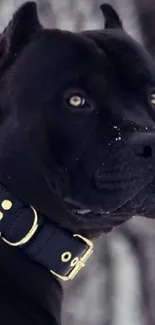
point(143, 144)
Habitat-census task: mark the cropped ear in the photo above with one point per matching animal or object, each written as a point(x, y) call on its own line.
point(24, 23)
point(112, 19)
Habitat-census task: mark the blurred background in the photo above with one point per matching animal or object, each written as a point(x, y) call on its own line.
point(117, 287)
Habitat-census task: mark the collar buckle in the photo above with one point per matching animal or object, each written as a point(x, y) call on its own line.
point(32, 250)
point(80, 262)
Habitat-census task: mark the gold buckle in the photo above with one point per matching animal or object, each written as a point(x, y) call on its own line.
point(80, 263)
point(29, 234)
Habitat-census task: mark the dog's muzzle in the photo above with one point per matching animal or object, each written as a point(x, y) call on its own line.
point(126, 170)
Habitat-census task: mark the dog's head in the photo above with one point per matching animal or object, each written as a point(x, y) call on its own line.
point(77, 121)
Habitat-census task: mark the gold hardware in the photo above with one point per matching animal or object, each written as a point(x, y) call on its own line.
point(153, 99)
point(1, 215)
point(81, 261)
point(6, 204)
point(74, 261)
point(66, 256)
point(29, 234)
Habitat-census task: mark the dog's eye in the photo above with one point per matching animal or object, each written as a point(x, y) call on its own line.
point(153, 99)
point(77, 101)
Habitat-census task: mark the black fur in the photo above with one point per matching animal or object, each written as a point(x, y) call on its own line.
point(98, 160)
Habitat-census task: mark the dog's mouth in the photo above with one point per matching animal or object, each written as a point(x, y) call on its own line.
point(79, 211)
point(93, 219)
point(138, 204)
point(92, 215)
point(77, 208)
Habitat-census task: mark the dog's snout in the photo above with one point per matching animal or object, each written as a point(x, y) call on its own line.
point(143, 145)
point(128, 167)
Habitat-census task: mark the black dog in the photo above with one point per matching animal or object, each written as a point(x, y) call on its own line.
point(77, 142)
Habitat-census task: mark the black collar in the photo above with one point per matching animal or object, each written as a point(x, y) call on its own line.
point(60, 251)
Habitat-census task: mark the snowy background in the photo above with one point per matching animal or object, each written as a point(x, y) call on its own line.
point(117, 287)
